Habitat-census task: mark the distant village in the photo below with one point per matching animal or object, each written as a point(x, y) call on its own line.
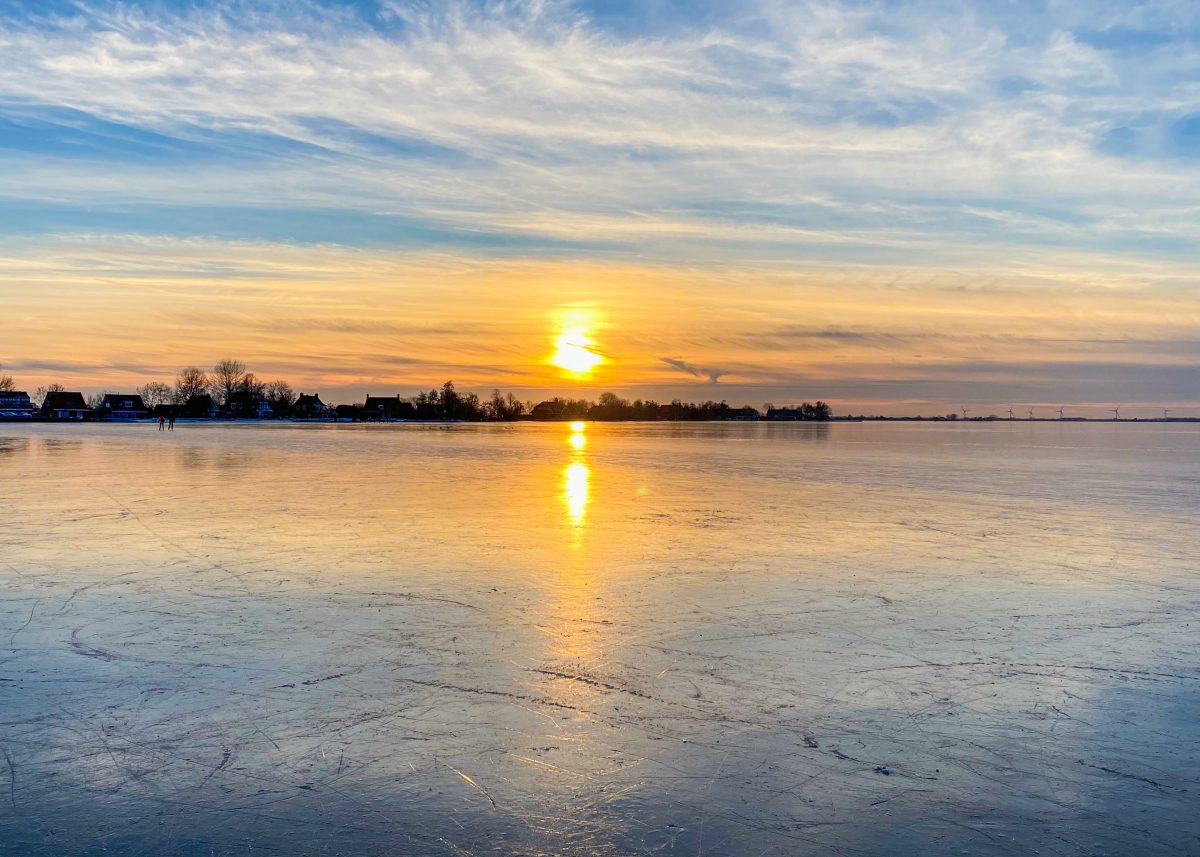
point(229, 392)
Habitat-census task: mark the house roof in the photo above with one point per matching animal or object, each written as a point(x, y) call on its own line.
point(392, 406)
point(64, 402)
point(116, 402)
point(549, 407)
point(304, 400)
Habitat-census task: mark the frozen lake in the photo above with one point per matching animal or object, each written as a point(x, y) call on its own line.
point(760, 639)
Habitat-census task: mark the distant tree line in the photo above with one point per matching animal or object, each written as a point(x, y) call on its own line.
point(228, 385)
point(229, 389)
point(448, 403)
point(806, 411)
point(235, 391)
point(611, 407)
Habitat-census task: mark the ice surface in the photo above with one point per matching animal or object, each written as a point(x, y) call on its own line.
point(667, 639)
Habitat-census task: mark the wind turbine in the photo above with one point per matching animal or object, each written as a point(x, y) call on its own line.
point(1010, 414)
point(1060, 413)
point(1165, 412)
point(1116, 413)
point(1031, 413)
point(964, 413)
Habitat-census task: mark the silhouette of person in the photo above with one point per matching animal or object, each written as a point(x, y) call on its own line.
point(161, 423)
point(171, 423)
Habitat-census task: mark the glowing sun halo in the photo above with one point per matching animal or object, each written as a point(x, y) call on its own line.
point(573, 352)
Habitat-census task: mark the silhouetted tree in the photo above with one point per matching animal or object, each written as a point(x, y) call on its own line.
point(280, 396)
point(449, 401)
point(247, 396)
point(610, 406)
point(7, 385)
point(156, 393)
point(503, 407)
point(252, 386)
point(191, 381)
point(41, 393)
point(226, 380)
point(470, 408)
point(495, 406)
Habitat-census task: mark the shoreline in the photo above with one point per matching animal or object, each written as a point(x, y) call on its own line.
point(846, 419)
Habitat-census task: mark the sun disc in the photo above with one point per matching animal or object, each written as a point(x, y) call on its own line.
point(573, 352)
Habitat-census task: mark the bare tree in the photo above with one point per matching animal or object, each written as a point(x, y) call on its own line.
point(41, 393)
point(191, 381)
point(7, 384)
point(280, 396)
point(252, 387)
point(504, 408)
point(227, 378)
point(495, 407)
point(156, 393)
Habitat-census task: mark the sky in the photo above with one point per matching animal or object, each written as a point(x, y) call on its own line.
point(898, 207)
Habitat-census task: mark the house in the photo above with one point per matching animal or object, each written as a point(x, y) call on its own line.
point(247, 404)
point(15, 405)
point(310, 407)
point(388, 408)
point(555, 409)
point(122, 406)
point(200, 406)
point(65, 406)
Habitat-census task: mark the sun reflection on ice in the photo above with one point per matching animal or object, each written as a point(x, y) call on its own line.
point(575, 488)
point(575, 633)
point(575, 491)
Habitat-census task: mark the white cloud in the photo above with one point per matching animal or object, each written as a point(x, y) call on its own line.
point(555, 115)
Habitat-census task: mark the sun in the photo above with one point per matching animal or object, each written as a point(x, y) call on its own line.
point(573, 351)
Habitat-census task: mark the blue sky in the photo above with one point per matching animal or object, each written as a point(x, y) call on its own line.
point(1008, 184)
